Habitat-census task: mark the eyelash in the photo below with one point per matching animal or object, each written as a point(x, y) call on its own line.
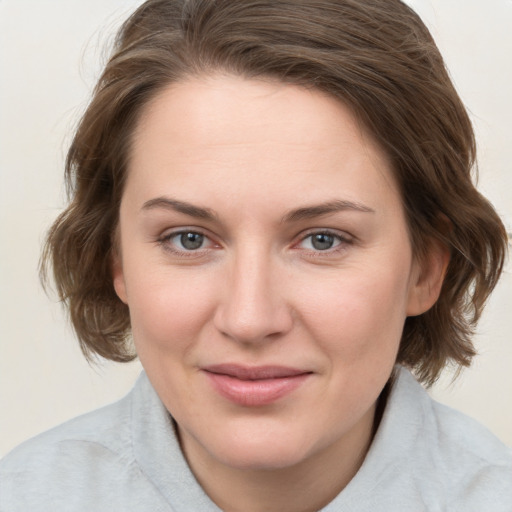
point(167, 245)
point(342, 240)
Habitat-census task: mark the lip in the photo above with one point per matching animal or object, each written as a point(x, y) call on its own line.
point(253, 386)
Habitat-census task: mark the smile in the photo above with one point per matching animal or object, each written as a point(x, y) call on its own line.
point(254, 386)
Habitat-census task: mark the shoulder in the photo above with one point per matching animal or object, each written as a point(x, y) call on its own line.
point(103, 427)
point(458, 457)
point(471, 457)
point(55, 469)
point(459, 433)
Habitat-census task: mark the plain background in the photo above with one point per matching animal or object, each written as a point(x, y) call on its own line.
point(50, 56)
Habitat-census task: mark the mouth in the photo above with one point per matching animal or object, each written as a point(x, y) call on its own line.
point(254, 386)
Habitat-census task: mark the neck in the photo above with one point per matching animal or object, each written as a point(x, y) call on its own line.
point(304, 487)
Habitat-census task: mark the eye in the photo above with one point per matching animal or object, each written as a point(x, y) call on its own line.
point(185, 241)
point(188, 240)
point(322, 241)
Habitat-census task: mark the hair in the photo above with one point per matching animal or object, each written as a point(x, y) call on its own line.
point(375, 56)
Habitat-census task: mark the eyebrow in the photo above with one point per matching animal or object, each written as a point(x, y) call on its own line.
point(191, 210)
point(306, 212)
point(338, 205)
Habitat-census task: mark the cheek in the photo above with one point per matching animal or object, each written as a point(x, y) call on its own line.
point(168, 309)
point(359, 311)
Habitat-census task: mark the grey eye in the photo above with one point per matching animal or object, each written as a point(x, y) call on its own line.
point(322, 241)
point(190, 240)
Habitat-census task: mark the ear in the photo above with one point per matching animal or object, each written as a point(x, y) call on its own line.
point(427, 278)
point(118, 276)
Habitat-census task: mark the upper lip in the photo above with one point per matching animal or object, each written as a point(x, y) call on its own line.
point(243, 372)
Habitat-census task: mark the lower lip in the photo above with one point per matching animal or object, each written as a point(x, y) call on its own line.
point(254, 393)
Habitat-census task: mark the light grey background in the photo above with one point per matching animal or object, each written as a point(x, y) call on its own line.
point(50, 55)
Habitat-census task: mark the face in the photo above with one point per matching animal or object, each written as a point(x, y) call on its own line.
point(265, 259)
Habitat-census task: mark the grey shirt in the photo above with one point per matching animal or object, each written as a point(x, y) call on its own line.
point(126, 457)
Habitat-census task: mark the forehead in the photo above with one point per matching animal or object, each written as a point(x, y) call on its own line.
point(225, 135)
point(215, 108)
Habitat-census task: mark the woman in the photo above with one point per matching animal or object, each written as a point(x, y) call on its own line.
point(271, 206)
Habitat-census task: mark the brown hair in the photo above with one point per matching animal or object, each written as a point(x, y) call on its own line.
point(377, 57)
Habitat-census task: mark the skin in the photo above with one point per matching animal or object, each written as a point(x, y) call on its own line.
point(252, 158)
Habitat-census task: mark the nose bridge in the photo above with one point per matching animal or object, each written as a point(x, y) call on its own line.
point(253, 306)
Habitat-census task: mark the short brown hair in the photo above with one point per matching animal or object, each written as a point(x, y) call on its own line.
point(377, 57)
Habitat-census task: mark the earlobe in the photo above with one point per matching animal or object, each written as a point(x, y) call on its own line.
point(428, 281)
point(118, 277)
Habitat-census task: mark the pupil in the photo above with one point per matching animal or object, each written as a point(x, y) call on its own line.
point(191, 240)
point(322, 241)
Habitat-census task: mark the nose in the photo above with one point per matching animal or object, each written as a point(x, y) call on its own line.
point(253, 307)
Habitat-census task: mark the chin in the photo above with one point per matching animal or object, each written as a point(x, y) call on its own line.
point(263, 448)
point(261, 458)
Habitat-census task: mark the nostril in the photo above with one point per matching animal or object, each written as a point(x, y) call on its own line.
point(252, 307)
point(253, 325)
